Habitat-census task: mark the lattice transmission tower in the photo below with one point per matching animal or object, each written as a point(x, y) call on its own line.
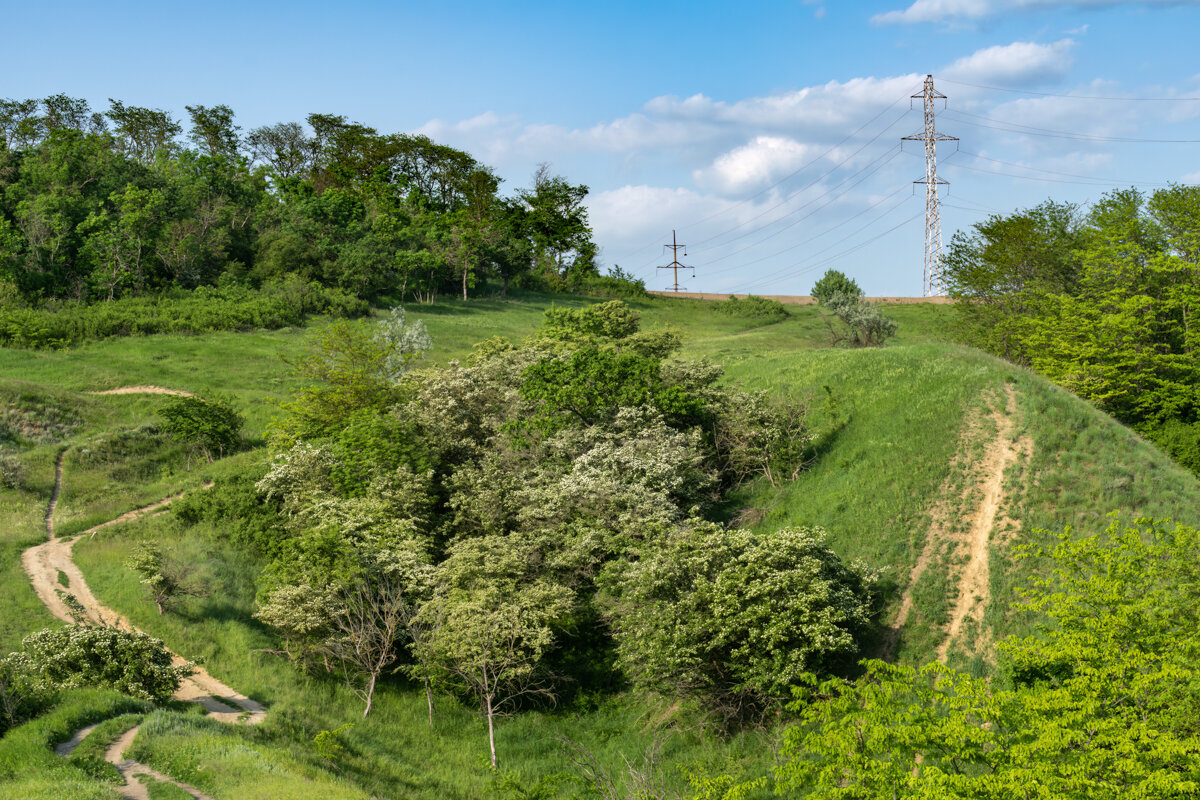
point(933, 282)
point(675, 266)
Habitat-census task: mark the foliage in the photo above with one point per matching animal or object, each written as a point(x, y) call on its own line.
point(178, 311)
point(76, 656)
point(1102, 704)
point(752, 306)
point(208, 425)
point(832, 283)
point(489, 625)
point(735, 618)
point(1102, 304)
point(862, 323)
point(94, 212)
point(164, 577)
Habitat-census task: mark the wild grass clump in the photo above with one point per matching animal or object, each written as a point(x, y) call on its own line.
point(234, 307)
point(752, 306)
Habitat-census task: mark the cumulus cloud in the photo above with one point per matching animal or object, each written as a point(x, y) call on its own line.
point(967, 10)
point(755, 164)
point(1016, 63)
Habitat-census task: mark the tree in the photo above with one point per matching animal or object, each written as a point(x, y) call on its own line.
point(210, 426)
point(283, 147)
point(834, 282)
point(489, 623)
point(165, 577)
point(143, 133)
point(558, 224)
point(120, 240)
point(213, 131)
point(373, 615)
point(20, 126)
point(735, 619)
point(1101, 701)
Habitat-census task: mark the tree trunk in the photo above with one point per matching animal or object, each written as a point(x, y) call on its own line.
point(491, 728)
point(429, 699)
point(466, 271)
point(370, 695)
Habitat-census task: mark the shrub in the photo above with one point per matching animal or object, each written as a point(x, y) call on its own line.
point(78, 656)
point(208, 426)
point(834, 282)
point(862, 323)
point(12, 472)
point(735, 618)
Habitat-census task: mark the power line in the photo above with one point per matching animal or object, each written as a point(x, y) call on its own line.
point(1075, 96)
point(1055, 172)
point(794, 173)
point(836, 256)
point(869, 170)
point(1030, 130)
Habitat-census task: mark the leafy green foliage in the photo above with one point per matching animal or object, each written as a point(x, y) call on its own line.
point(163, 576)
point(1102, 705)
point(832, 283)
point(862, 323)
point(1102, 304)
point(735, 618)
point(209, 426)
point(76, 656)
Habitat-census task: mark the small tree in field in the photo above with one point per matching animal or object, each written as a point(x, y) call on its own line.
point(163, 576)
point(488, 625)
point(210, 427)
point(834, 282)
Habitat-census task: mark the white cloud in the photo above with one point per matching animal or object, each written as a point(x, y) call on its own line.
point(961, 10)
point(1016, 63)
point(755, 164)
point(1191, 177)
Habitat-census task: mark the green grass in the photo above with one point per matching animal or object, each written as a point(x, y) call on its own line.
point(88, 755)
point(29, 767)
point(872, 487)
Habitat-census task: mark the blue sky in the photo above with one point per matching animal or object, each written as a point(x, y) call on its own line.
point(768, 133)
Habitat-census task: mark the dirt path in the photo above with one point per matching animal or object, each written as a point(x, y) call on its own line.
point(985, 496)
point(144, 390)
point(44, 563)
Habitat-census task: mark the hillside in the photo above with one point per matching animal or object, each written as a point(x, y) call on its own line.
point(935, 462)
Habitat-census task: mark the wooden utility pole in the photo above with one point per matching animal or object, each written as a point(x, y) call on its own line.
point(675, 266)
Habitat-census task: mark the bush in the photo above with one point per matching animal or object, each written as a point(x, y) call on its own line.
point(12, 472)
point(863, 324)
point(752, 306)
point(78, 656)
point(735, 618)
point(281, 303)
point(617, 283)
point(208, 426)
point(834, 282)
point(1181, 440)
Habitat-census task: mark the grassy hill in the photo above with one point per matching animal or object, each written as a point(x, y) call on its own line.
point(925, 444)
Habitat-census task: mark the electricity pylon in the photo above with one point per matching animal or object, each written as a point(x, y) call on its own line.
point(675, 265)
point(933, 281)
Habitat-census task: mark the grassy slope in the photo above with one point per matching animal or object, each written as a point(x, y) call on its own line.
point(871, 488)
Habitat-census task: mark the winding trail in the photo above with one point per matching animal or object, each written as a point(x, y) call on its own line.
point(45, 561)
point(986, 498)
point(144, 390)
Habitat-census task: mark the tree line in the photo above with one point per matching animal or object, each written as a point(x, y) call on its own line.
point(99, 205)
point(1104, 301)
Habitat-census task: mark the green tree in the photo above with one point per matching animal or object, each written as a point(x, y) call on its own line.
point(488, 625)
point(210, 426)
point(735, 619)
point(1102, 701)
point(834, 282)
point(164, 577)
